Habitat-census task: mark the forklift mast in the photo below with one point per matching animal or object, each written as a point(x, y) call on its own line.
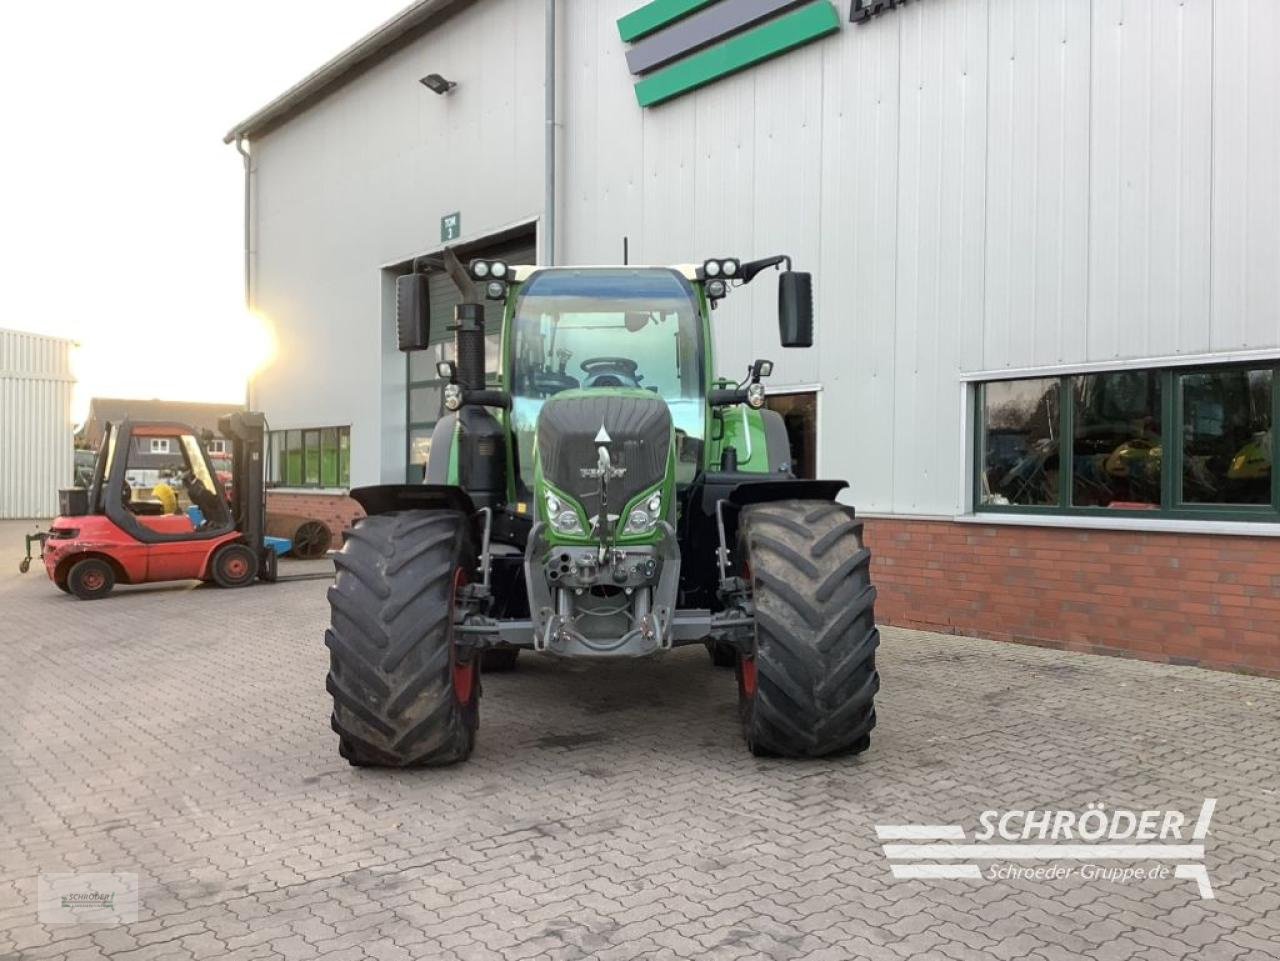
point(247, 431)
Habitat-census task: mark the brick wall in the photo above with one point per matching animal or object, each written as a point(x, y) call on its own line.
point(1210, 600)
point(336, 510)
point(1203, 599)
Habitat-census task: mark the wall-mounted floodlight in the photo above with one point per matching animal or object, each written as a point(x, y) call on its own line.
point(437, 84)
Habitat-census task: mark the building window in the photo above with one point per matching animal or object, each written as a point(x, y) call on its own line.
point(160, 445)
point(310, 457)
point(216, 446)
point(1190, 443)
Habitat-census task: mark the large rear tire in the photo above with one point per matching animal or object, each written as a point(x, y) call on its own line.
point(403, 694)
point(808, 687)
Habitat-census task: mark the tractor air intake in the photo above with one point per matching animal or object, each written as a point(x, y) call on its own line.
point(468, 341)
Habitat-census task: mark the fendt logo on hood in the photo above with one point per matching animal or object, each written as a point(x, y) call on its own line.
point(680, 45)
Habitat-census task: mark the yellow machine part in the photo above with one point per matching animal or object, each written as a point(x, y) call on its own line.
point(166, 496)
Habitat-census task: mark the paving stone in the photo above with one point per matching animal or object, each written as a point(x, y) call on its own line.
point(609, 811)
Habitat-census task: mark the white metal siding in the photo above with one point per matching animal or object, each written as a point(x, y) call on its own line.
point(977, 185)
point(35, 423)
point(361, 181)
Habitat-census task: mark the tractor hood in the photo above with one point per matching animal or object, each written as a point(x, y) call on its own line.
point(637, 424)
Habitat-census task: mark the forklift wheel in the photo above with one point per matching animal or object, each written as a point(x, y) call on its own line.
point(234, 566)
point(91, 579)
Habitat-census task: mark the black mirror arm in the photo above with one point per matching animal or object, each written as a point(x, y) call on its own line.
point(747, 272)
point(451, 265)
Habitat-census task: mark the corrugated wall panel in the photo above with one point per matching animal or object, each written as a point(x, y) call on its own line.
point(789, 213)
point(1151, 133)
point(1246, 174)
point(361, 180)
point(942, 157)
point(1038, 177)
point(976, 184)
point(35, 423)
point(857, 294)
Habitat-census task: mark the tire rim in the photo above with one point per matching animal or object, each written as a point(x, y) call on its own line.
point(236, 567)
point(464, 672)
point(93, 580)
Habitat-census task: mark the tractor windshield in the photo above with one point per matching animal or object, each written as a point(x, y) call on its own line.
point(613, 327)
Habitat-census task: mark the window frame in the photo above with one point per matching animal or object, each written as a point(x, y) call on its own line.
point(217, 445)
point(1170, 507)
point(160, 445)
point(338, 452)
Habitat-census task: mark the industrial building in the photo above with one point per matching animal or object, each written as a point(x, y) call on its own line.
point(1030, 222)
point(35, 423)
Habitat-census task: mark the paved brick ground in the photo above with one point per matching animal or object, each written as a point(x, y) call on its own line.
point(609, 812)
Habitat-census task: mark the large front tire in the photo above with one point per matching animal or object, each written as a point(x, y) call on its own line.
point(403, 694)
point(808, 688)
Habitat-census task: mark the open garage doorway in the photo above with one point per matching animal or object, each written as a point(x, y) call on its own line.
point(425, 390)
point(799, 412)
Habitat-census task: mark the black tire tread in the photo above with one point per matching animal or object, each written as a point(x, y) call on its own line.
point(390, 640)
point(499, 660)
point(815, 630)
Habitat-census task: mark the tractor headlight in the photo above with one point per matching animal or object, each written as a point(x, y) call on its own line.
point(566, 522)
point(563, 519)
point(498, 269)
point(720, 267)
point(644, 517)
point(716, 289)
point(479, 269)
point(639, 521)
point(452, 396)
point(495, 289)
point(755, 395)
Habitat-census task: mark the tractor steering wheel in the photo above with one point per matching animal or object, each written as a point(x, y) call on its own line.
point(611, 372)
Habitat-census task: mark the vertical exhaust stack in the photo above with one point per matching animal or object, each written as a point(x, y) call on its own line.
point(482, 462)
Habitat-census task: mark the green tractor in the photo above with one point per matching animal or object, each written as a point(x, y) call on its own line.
point(603, 497)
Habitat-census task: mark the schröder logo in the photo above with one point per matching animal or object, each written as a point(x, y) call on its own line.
point(1102, 842)
point(679, 45)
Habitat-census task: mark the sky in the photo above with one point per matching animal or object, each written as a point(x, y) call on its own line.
point(120, 207)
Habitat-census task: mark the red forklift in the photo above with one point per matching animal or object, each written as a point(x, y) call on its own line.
point(109, 533)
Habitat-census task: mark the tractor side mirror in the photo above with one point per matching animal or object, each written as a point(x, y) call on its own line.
point(413, 311)
point(795, 308)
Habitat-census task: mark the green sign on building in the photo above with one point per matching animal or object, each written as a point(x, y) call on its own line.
point(680, 45)
point(450, 227)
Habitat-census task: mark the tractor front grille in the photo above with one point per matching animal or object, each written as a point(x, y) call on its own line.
point(640, 432)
